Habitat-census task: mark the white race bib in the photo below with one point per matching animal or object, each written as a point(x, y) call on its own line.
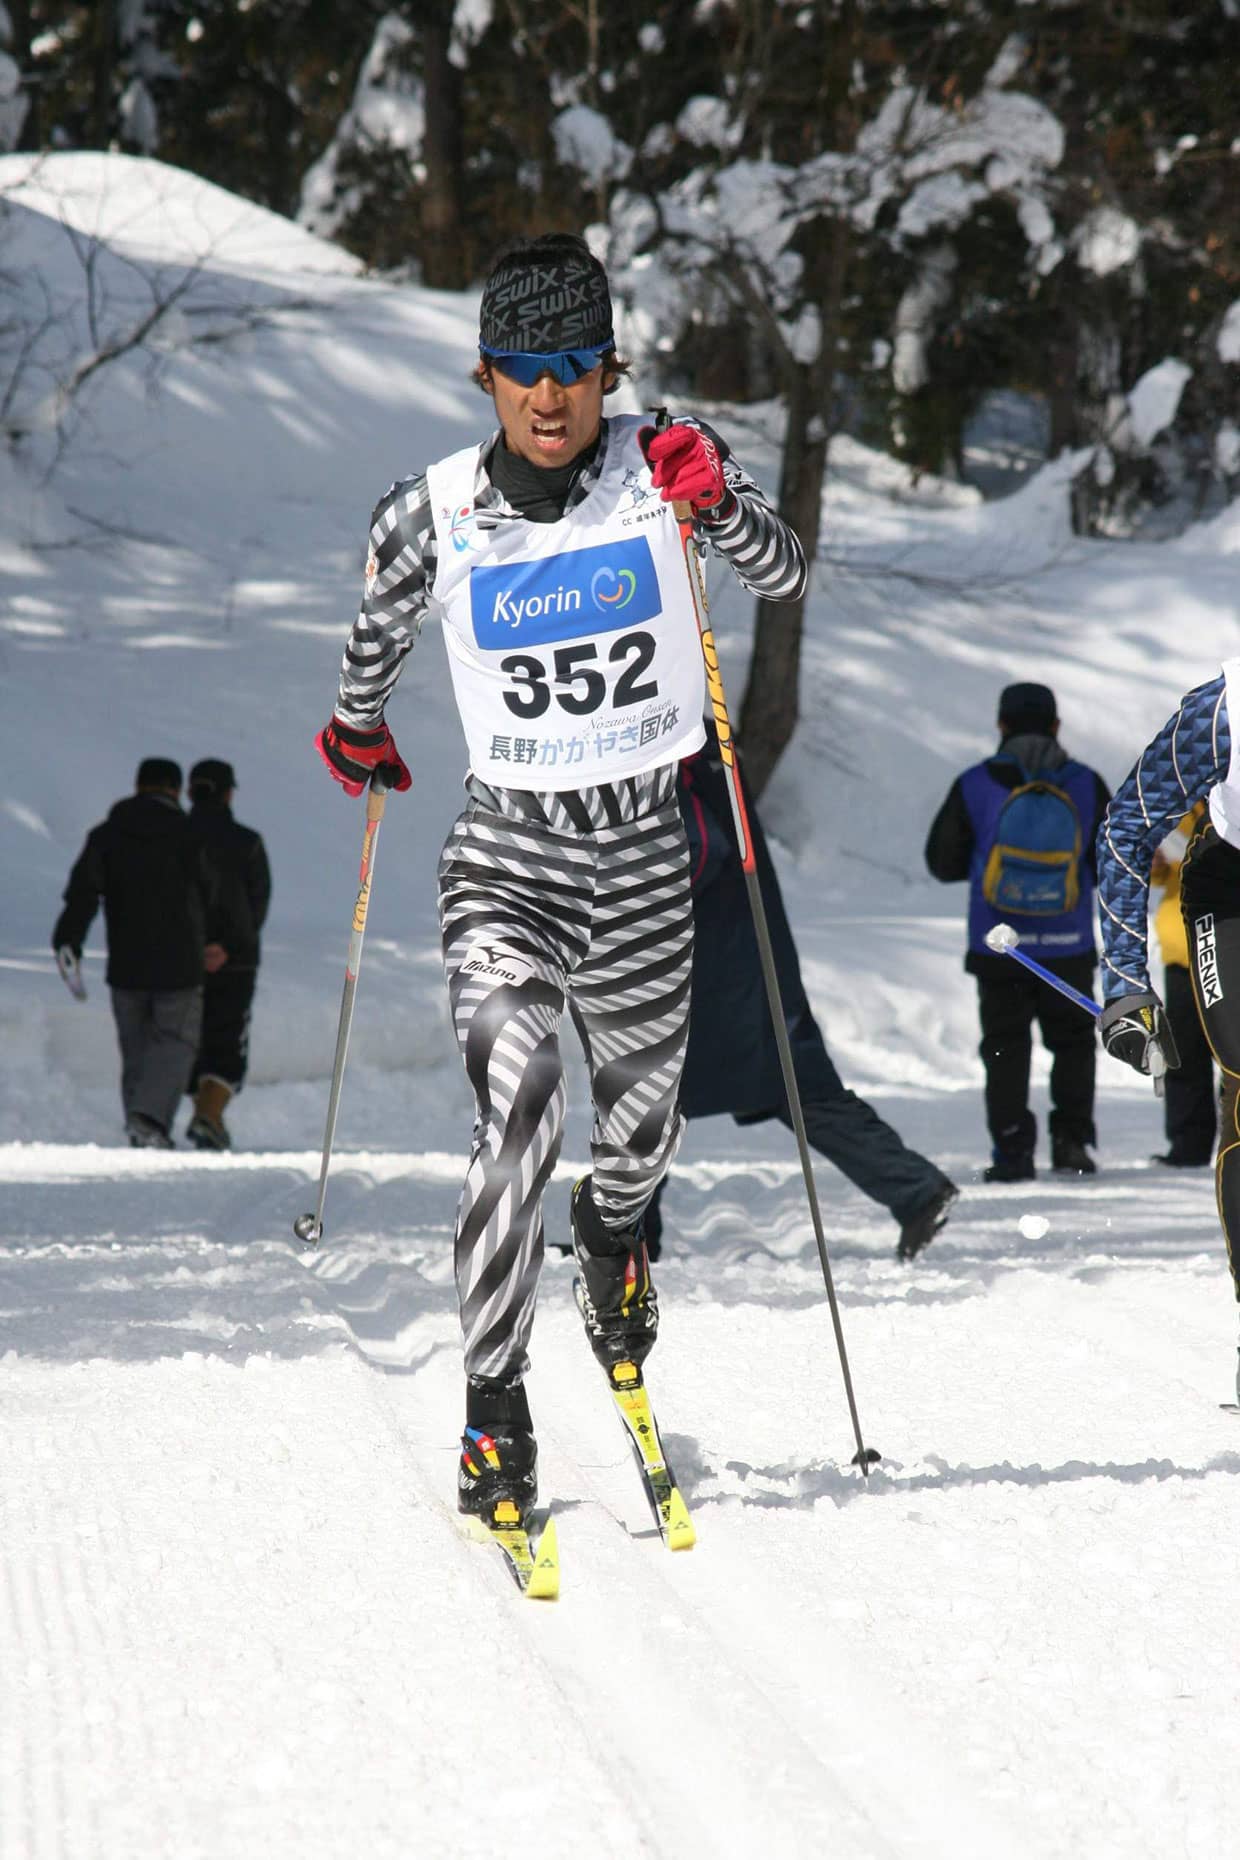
point(573, 646)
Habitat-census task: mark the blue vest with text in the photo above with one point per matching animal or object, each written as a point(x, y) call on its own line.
point(1046, 935)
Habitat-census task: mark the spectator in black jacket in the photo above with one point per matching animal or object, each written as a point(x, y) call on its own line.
point(732, 1064)
point(965, 841)
point(146, 865)
point(237, 861)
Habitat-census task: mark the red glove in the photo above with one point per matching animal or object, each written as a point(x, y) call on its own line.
point(352, 755)
point(685, 466)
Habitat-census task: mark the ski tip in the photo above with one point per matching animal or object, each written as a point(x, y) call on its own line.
point(544, 1582)
point(1230, 1407)
point(680, 1532)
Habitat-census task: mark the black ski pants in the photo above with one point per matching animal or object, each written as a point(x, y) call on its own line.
point(1210, 899)
point(1190, 1108)
point(850, 1133)
point(847, 1131)
point(1008, 1006)
point(224, 1050)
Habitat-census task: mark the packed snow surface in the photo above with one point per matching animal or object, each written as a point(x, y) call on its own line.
point(237, 1616)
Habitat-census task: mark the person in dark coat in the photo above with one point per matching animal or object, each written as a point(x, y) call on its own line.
point(237, 860)
point(144, 862)
point(1010, 998)
point(732, 1064)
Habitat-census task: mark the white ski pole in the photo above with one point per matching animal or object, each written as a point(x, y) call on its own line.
point(309, 1227)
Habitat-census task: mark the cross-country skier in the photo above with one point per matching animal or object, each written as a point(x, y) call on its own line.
point(1191, 759)
point(551, 552)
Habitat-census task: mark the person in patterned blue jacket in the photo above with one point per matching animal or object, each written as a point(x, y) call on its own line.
point(1189, 760)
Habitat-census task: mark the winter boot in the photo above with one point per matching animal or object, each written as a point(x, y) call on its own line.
point(919, 1230)
point(146, 1133)
point(207, 1129)
point(617, 1300)
point(498, 1477)
point(1068, 1157)
point(1010, 1168)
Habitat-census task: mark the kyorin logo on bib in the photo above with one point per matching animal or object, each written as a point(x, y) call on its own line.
point(609, 589)
point(570, 596)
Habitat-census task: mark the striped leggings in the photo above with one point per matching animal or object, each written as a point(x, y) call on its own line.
point(539, 906)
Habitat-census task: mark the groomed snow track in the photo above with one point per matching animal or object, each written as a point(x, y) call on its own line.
point(238, 1616)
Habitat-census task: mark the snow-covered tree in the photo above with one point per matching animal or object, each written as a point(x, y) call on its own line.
point(831, 237)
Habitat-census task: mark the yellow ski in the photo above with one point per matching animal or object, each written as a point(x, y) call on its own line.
point(632, 1400)
point(534, 1567)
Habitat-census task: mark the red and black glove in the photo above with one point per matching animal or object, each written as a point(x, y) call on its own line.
point(352, 756)
point(685, 465)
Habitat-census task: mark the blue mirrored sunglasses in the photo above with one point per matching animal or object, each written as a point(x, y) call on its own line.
point(567, 365)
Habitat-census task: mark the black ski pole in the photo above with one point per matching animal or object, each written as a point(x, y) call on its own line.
point(309, 1227)
point(864, 1457)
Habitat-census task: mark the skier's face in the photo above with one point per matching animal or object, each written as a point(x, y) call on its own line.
point(548, 424)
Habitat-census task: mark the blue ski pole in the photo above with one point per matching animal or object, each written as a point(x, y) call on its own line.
point(1004, 941)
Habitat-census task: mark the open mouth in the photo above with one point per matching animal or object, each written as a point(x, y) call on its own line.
point(549, 432)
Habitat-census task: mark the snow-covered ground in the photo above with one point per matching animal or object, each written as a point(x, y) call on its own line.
point(236, 1616)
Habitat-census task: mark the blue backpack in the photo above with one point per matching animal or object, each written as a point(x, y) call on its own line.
point(1033, 868)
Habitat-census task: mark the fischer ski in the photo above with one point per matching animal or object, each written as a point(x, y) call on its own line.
point(632, 1400)
point(533, 1565)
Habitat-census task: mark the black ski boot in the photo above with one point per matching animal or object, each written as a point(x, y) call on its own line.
point(498, 1477)
point(617, 1300)
point(919, 1230)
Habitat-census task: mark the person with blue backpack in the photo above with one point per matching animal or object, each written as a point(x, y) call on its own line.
point(1020, 827)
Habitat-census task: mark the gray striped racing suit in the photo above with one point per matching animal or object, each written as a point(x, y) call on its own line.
point(575, 897)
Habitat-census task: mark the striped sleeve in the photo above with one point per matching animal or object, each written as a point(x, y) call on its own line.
point(400, 575)
point(763, 552)
point(1189, 756)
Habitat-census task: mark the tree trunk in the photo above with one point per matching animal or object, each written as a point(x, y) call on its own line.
point(443, 254)
point(103, 66)
point(771, 703)
point(19, 50)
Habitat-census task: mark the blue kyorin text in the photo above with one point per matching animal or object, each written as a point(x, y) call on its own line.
point(568, 596)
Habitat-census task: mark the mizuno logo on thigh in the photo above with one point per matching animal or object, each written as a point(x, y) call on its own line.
point(498, 967)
